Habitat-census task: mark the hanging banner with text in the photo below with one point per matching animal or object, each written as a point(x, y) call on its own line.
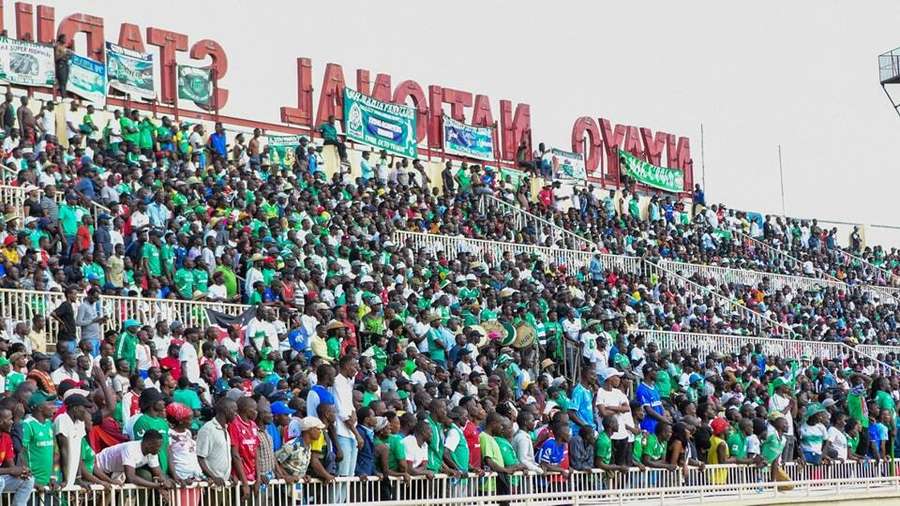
point(467, 140)
point(282, 149)
point(87, 79)
point(391, 127)
point(567, 166)
point(130, 72)
point(27, 63)
point(195, 84)
point(671, 180)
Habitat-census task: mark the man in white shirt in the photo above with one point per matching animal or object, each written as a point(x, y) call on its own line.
point(187, 355)
point(782, 402)
point(345, 415)
point(125, 458)
point(68, 370)
point(416, 446)
point(69, 431)
point(611, 401)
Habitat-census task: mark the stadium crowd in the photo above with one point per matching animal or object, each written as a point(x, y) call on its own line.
point(362, 357)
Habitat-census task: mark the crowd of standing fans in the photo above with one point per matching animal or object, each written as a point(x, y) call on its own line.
point(365, 357)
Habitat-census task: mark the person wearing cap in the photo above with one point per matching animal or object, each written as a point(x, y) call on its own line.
point(38, 443)
point(783, 402)
point(153, 417)
point(774, 444)
point(295, 455)
point(813, 434)
point(69, 430)
point(126, 344)
point(182, 447)
point(281, 419)
point(648, 395)
point(612, 401)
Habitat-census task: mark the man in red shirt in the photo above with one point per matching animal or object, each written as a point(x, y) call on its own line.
point(13, 478)
point(471, 432)
point(245, 440)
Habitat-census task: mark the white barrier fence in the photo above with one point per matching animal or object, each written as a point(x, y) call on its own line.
point(788, 348)
point(714, 483)
point(24, 305)
point(494, 252)
point(15, 196)
point(522, 219)
point(725, 275)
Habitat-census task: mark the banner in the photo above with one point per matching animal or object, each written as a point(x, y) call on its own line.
point(129, 71)
point(391, 127)
point(567, 165)
point(671, 180)
point(195, 84)
point(87, 79)
point(27, 63)
point(467, 140)
point(282, 149)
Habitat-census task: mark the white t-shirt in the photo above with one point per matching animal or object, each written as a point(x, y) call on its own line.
point(614, 398)
point(188, 355)
point(416, 455)
point(115, 458)
point(161, 343)
point(779, 403)
point(753, 445)
point(838, 441)
point(74, 433)
point(812, 437)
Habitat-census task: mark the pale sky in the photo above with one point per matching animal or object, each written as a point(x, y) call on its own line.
point(802, 74)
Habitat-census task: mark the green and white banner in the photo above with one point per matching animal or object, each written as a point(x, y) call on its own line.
point(195, 84)
point(467, 140)
point(391, 127)
point(87, 79)
point(130, 72)
point(664, 178)
point(567, 166)
point(282, 149)
point(26, 63)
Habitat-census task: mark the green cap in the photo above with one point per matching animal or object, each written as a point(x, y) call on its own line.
point(131, 323)
point(38, 398)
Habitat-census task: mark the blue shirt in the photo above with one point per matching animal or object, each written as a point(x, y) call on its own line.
point(317, 395)
point(649, 396)
point(583, 405)
point(217, 142)
point(366, 169)
point(553, 453)
point(313, 163)
point(365, 458)
point(275, 434)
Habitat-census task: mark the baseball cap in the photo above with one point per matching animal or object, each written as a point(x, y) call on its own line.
point(610, 372)
point(311, 422)
point(281, 408)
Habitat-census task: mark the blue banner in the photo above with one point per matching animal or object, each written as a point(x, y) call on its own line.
point(466, 140)
point(87, 79)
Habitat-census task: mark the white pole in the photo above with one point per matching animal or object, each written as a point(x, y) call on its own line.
point(781, 177)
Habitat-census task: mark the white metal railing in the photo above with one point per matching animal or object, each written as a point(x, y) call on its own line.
point(760, 321)
point(794, 348)
point(661, 486)
point(541, 226)
point(24, 305)
point(15, 196)
point(746, 277)
point(494, 252)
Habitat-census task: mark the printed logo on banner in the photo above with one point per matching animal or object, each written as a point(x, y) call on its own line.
point(194, 84)
point(87, 79)
point(27, 63)
point(663, 178)
point(391, 127)
point(130, 72)
point(468, 140)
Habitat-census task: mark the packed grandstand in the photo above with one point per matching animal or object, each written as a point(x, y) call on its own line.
point(198, 313)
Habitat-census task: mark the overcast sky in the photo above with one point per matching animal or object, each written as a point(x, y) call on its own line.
point(802, 74)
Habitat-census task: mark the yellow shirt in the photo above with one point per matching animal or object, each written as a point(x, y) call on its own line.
point(319, 347)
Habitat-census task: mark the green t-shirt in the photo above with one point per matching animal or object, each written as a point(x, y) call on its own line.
point(489, 450)
point(772, 447)
point(147, 422)
point(856, 408)
point(167, 254)
point(184, 283)
point(151, 253)
point(737, 443)
point(603, 448)
point(87, 455)
point(462, 176)
point(13, 380)
point(885, 401)
point(68, 216)
point(396, 451)
point(130, 133)
point(434, 351)
point(146, 134)
point(436, 446)
point(663, 383)
point(201, 280)
point(126, 348)
point(37, 440)
point(230, 280)
point(460, 454)
point(654, 449)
